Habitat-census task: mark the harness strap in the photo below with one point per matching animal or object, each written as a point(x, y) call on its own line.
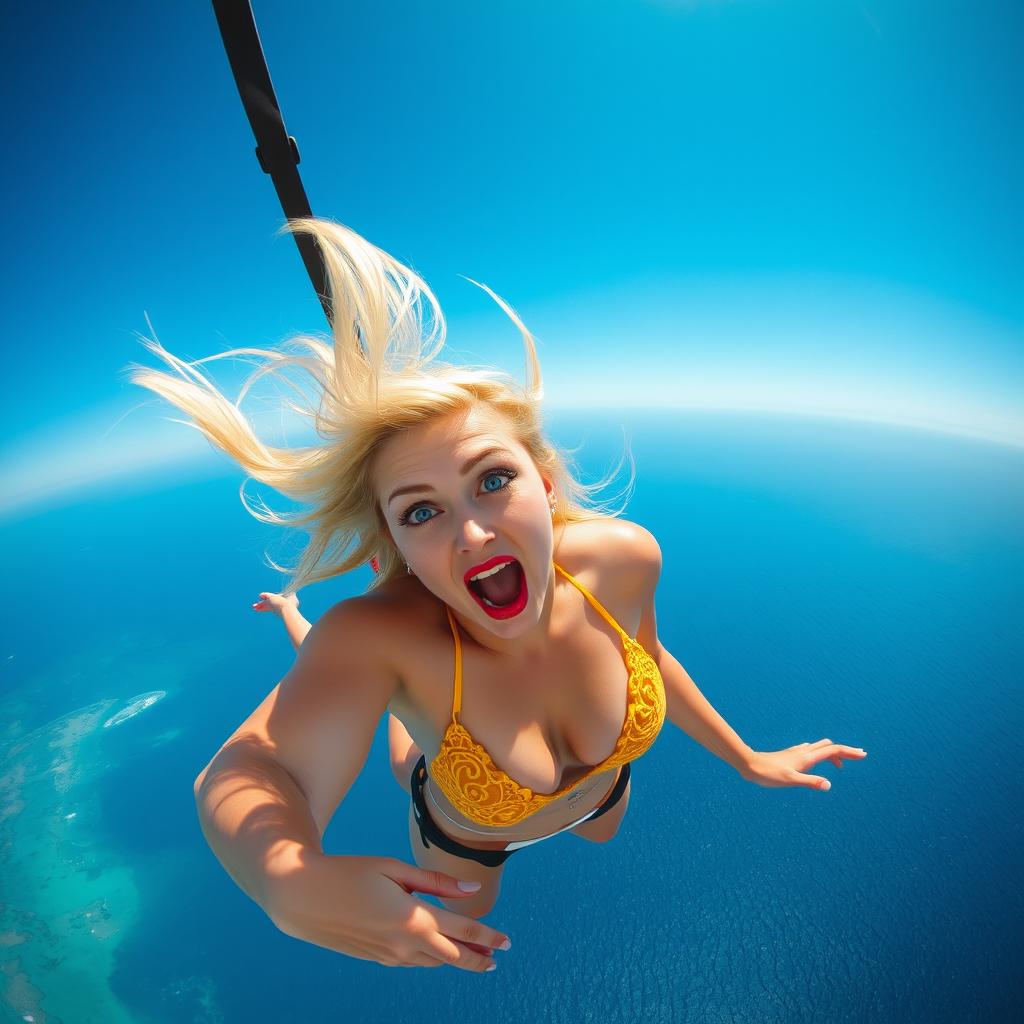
point(276, 150)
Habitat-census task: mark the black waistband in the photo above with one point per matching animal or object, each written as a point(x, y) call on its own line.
point(490, 858)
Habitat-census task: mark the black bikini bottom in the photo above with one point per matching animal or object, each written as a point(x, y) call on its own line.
point(491, 858)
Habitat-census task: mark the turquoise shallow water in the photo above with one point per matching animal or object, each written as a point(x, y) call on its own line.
point(821, 579)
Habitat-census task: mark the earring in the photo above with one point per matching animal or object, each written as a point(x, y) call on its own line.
point(408, 567)
point(553, 504)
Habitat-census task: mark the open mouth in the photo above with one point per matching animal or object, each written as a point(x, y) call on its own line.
point(500, 590)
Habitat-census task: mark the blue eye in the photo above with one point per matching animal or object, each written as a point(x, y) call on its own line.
point(416, 522)
point(508, 475)
point(493, 476)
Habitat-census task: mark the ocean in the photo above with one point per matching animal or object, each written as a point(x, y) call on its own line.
point(822, 578)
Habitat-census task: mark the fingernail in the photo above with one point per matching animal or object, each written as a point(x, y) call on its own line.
point(827, 785)
point(469, 886)
point(507, 944)
point(493, 967)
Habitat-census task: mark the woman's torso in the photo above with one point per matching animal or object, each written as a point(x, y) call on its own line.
point(546, 722)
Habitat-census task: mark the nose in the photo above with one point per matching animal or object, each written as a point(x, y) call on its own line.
point(473, 534)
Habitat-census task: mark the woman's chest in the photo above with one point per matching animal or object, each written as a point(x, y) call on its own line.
point(545, 722)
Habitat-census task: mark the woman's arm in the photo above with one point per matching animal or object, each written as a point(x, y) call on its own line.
point(318, 723)
point(686, 707)
point(254, 817)
point(288, 609)
point(268, 794)
point(266, 797)
point(690, 710)
point(296, 625)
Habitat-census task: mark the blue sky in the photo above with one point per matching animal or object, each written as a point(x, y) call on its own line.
point(803, 207)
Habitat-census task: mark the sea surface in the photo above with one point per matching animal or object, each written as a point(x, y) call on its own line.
point(821, 579)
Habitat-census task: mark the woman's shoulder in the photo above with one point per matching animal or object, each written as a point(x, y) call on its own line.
point(624, 540)
point(617, 552)
point(390, 609)
point(395, 619)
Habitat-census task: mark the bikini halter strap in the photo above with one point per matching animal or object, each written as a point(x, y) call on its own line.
point(457, 699)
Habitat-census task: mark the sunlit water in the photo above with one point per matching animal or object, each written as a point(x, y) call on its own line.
point(820, 580)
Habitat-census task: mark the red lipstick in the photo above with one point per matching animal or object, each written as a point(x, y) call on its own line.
point(511, 610)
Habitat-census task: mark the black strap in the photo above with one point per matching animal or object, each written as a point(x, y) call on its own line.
point(276, 150)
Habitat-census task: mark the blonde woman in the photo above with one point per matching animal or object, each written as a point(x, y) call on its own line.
point(510, 632)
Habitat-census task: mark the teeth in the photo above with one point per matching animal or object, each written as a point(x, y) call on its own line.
point(489, 572)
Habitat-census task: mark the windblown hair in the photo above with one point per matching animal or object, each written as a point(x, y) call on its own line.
point(375, 377)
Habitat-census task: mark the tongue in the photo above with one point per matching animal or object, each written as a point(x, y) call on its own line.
point(503, 586)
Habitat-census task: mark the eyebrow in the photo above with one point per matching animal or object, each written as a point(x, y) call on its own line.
point(466, 468)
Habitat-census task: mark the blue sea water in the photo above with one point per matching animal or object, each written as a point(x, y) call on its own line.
point(821, 579)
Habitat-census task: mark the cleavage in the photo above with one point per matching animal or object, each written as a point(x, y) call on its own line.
point(568, 764)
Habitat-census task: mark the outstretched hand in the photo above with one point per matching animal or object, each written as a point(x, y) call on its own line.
point(276, 603)
point(786, 767)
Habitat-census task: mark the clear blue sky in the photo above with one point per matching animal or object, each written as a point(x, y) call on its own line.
point(797, 206)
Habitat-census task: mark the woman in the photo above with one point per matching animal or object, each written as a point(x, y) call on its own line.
point(510, 630)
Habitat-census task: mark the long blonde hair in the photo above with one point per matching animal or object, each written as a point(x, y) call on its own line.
point(375, 377)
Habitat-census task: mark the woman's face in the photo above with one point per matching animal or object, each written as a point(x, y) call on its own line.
point(452, 510)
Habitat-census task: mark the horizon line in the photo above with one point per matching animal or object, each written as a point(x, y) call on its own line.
point(176, 450)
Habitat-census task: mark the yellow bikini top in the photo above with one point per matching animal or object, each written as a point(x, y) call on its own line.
point(481, 791)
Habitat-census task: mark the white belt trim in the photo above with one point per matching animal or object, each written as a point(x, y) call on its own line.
point(530, 842)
